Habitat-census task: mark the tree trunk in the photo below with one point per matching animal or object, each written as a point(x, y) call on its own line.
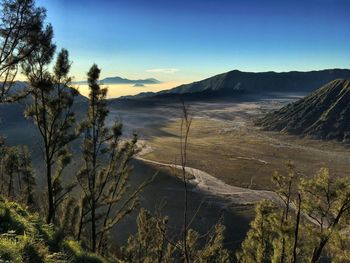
point(318, 250)
point(81, 222)
point(9, 191)
point(51, 212)
point(296, 232)
point(93, 226)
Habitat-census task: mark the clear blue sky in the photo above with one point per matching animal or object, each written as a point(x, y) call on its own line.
point(185, 40)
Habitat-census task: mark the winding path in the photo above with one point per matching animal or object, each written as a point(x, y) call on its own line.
point(211, 185)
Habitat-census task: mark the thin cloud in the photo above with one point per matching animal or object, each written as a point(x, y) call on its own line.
point(163, 70)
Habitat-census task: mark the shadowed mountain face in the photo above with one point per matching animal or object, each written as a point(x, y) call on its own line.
point(237, 82)
point(325, 114)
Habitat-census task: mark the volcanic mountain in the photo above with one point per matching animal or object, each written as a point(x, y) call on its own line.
point(236, 82)
point(324, 114)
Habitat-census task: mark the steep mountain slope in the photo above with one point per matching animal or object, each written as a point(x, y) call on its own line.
point(237, 82)
point(325, 114)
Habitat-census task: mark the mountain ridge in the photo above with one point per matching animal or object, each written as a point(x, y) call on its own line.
point(237, 82)
point(324, 114)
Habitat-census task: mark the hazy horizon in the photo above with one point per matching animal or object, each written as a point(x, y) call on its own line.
point(119, 90)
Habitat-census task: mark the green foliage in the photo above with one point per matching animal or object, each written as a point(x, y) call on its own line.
point(327, 205)
point(25, 238)
point(151, 244)
point(16, 174)
point(78, 255)
point(310, 224)
point(21, 31)
point(325, 197)
point(53, 115)
point(104, 176)
point(339, 246)
point(68, 216)
point(214, 250)
point(258, 245)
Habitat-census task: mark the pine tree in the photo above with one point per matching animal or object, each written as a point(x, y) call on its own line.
point(21, 31)
point(286, 187)
point(308, 224)
point(28, 179)
point(214, 250)
point(327, 204)
point(53, 115)
point(185, 128)
point(17, 179)
point(68, 216)
point(258, 245)
point(11, 166)
point(339, 246)
point(104, 177)
point(3, 150)
point(151, 244)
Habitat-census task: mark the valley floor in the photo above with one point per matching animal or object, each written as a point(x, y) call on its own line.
point(225, 143)
point(230, 161)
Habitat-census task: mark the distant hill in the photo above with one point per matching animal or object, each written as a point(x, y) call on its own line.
point(119, 80)
point(325, 114)
point(237, 82)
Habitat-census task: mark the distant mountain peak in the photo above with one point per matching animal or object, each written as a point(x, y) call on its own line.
point(324, 114)
point(138, 85)
point(120, 80)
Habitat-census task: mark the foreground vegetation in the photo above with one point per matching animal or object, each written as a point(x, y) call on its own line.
point(310, 224)
point(26, 238)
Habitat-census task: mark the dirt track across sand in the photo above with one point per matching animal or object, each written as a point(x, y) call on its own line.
point(213, 186)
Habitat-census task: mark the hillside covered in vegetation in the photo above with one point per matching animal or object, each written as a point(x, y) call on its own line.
point(24, 237)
